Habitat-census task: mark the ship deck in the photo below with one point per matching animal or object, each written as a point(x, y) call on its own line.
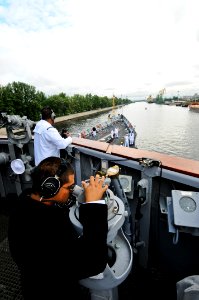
point(104, 135)
point(140, 283)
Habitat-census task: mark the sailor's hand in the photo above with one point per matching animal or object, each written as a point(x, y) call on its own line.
point(95, 189)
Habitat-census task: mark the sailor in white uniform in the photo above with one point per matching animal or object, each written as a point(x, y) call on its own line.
point(126, 140)
point(116, 132)
point(131, 138)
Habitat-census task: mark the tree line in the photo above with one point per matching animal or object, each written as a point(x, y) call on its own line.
point(18, 98)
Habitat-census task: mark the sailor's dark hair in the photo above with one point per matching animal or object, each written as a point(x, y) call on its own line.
point(63, 131)
point(47, 113)
point(51, 167)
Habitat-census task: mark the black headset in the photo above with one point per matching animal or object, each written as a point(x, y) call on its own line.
point(51, 185)
point(47, 114)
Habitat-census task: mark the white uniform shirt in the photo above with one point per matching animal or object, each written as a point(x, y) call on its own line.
point(131, 138)
point(48, 141)
point(116, 132)
point(126, 141)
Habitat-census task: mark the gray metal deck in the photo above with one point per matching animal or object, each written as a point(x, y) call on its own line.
point(105, 135)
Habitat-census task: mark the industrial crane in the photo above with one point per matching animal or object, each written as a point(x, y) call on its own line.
point(162, 92)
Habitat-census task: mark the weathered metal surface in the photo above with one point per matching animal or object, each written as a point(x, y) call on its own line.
point(178, 164)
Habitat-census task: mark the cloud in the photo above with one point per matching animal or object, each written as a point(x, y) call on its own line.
point(128, 47)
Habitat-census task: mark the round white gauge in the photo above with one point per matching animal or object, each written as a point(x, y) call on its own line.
point(124, 182)
point(187, 204)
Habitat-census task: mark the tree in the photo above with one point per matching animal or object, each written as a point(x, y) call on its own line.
point(18, 98)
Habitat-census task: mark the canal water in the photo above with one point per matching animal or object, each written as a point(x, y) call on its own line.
point(166, 129)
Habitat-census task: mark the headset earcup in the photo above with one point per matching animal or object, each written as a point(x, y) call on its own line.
point(53, 115)
point(50, 187)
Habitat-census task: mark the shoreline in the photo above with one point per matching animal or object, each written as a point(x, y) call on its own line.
point(82, 114)
point(70, 117)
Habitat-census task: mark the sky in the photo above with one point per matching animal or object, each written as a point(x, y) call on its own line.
point(126, 48)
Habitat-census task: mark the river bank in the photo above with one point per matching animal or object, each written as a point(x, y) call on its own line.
point(82, 114)
point(70, 117)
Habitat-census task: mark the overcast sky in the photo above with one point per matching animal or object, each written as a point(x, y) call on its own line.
point(129, 48)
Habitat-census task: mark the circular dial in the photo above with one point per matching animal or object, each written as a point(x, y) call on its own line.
point(187, 204)
point(124, 182)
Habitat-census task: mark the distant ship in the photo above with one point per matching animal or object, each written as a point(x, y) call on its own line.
point(194, 107)
point(150, 99)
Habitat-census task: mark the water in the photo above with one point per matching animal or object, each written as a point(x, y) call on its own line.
point(161, 128)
